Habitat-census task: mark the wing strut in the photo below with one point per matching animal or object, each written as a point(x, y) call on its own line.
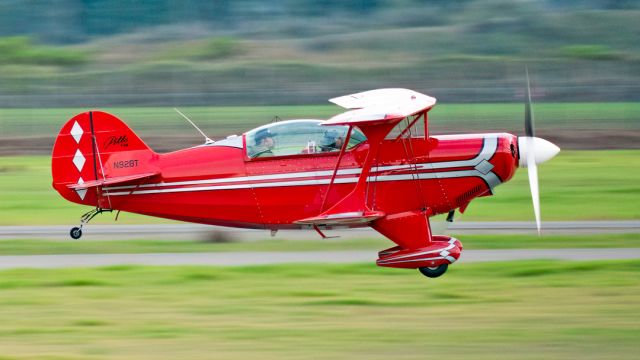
point(335, 170)
point(376, 113)
point(408, 128)
point(352, 209)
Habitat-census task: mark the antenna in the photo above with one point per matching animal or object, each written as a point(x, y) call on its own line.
point(207, 140)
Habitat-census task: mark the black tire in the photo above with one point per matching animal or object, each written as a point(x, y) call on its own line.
point(434, 272)
point(75, 233)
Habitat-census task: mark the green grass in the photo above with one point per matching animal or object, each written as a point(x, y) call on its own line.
point(217, 121)
point(27, 197)
point(516, 310)
point(470, 242)
point(552, 115)
point(576, 185)
point(224, 120)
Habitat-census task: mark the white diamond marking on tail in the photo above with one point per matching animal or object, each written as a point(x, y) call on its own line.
point(81, 192)
point(79, 160)
point(76, 132)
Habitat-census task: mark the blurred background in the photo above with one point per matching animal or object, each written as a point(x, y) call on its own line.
point(234, 65)
point(157, 53)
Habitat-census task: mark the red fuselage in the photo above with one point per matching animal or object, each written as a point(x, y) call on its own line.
point(221, 185)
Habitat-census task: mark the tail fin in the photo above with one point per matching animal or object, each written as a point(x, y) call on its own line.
point(95, 147)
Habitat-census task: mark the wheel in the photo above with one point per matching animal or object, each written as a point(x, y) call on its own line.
point(434, 272)
point(76, 233)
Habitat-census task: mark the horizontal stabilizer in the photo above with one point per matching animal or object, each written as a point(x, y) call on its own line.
point(111, 181)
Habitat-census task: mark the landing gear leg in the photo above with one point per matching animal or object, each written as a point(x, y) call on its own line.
point(434, 272)
point(450, 216)
point(76, 232)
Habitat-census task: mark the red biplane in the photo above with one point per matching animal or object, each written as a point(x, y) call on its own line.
point(349, 171)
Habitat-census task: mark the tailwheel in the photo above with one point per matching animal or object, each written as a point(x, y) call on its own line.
point(434, 272)
point(75, 233)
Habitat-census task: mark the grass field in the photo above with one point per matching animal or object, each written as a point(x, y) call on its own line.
point(576, 185)
point(127, 246)
point(516, 310)
point(225, 120)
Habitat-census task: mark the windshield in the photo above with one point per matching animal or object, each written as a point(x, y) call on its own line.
point(299, 137)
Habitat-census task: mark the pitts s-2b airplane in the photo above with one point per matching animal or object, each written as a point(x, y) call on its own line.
point(348, 171)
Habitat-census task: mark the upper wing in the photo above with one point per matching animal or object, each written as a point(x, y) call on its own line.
point(380, 106)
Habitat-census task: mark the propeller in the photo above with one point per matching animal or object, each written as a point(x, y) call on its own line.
point(533, 151)
point(528, 112)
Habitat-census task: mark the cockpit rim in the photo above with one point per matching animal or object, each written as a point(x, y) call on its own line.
point(285, 156)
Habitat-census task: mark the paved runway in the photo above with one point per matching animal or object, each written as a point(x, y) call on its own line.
point(261, 258)
point(193, 231)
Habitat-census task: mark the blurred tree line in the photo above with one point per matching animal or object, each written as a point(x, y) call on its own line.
point(212, 52)
point(70, 21)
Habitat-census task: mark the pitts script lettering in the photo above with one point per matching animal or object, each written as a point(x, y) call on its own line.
point(121, 141)
point(125, 164)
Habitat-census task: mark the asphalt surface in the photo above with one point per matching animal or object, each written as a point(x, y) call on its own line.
point(262, 258)
point(194, 231)
point(191, 231)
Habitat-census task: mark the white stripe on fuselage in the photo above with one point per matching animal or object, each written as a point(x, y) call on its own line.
point(261, 181)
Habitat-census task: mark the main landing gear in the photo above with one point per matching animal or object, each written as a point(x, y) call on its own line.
point(76, 232)
point(432, 260)
point(434, 272)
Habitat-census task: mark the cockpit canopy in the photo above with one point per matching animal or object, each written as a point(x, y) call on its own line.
point(299, 137)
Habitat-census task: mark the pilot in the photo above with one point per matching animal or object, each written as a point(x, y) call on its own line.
point(264, 144)
point(331, 141)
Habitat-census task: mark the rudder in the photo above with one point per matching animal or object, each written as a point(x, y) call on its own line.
point(95, 145)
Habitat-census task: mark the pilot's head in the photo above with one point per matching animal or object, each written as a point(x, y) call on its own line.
point(331, 141)
point(264, 138)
